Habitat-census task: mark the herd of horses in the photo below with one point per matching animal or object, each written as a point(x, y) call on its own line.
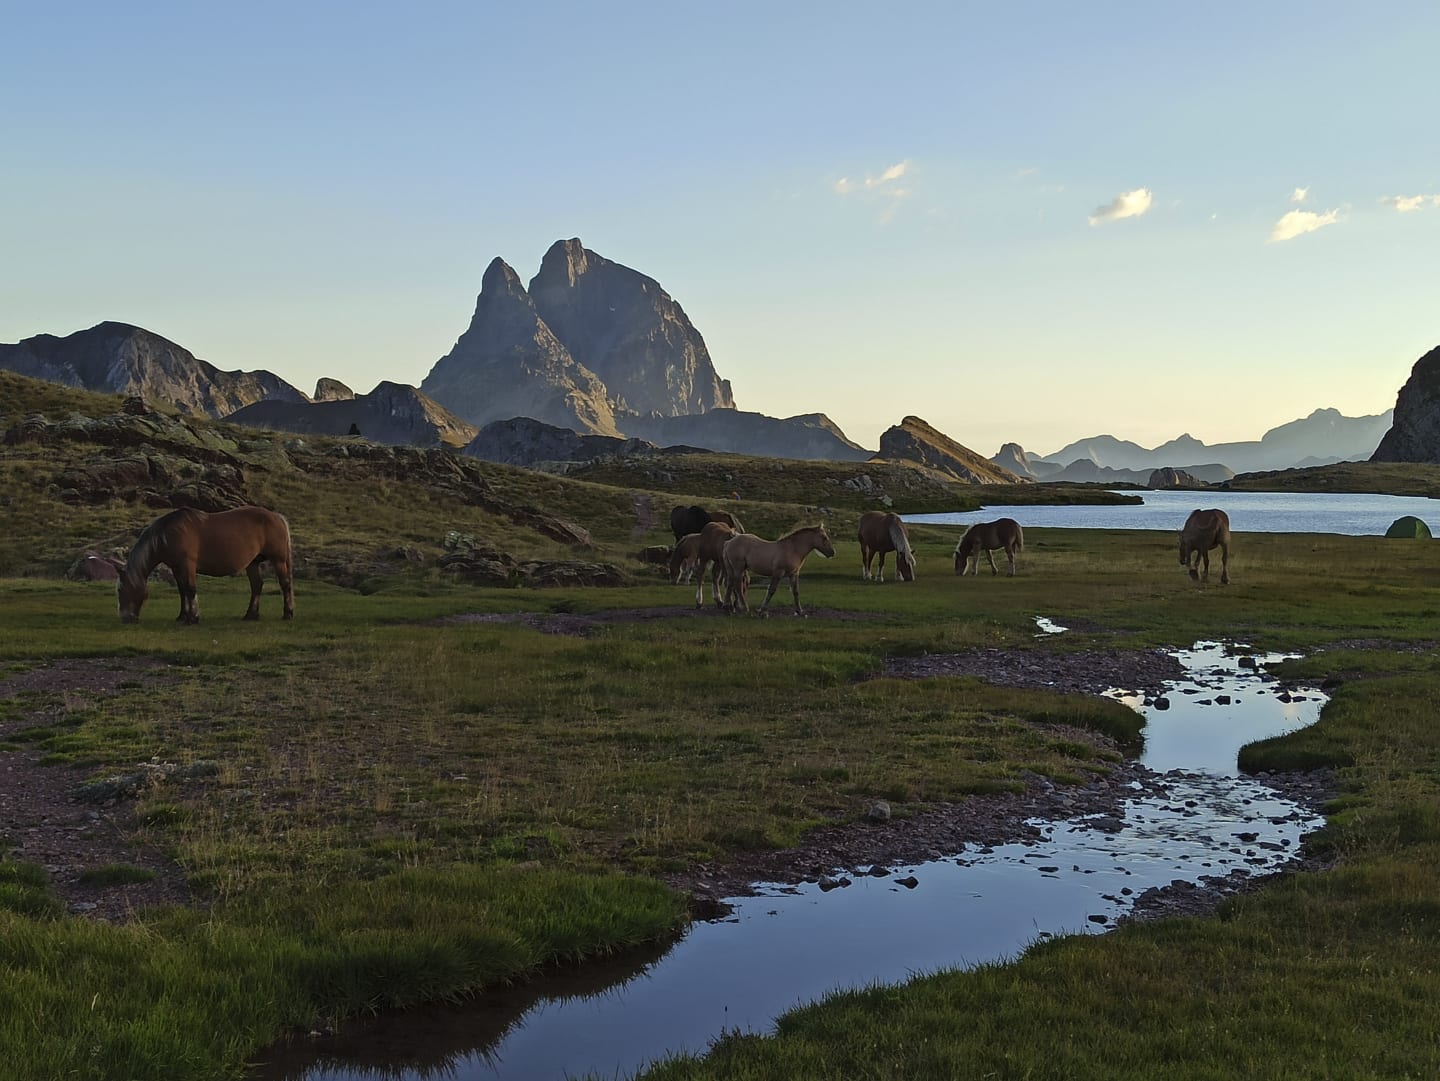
point(223, 543)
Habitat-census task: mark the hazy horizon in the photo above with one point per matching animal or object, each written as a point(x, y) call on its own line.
point(1024, 225)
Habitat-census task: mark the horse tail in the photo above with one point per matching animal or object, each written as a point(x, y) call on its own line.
point(1019, 538)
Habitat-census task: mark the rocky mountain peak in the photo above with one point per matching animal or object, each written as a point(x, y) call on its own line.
point(629, 331)
point(500, 277)
point(565, 262)
point(1414, 434)
point(915, 440)
point(118, 358)
point(331, 390)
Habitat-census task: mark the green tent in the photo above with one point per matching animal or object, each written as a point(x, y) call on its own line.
point(1409, 526)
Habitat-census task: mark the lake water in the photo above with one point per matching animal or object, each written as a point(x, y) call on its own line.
point(793, 944)
point(1355, 515)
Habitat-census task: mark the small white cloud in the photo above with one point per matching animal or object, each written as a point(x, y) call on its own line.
point(1298, 222)
point(895, 172)
point(844, 186)
point(883, 187)
point(1128, 204)
point(1299, 195)
point(1407, 204)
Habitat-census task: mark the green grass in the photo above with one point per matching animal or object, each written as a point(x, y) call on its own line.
point(375, 807)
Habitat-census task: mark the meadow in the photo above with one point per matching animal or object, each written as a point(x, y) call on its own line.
point(389, 801)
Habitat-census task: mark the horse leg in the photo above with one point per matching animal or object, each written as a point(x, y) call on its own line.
point(880, 577)
point(1224, 564)
point(765, 605)
point(795, 590)
point(1010, 557)
point(189, 606)
point(700, 587)
point(865, 554)
point(1205, 562)
point(990, 556)
point(256, 585)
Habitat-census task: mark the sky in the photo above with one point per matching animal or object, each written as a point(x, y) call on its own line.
point(1026, 222)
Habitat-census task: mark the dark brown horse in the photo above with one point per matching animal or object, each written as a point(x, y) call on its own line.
point(710, 552)
point(880, 532)
point(781, 558)
point(1204, 530)
point(986, 537)
point(692, 519)
point(192, 542)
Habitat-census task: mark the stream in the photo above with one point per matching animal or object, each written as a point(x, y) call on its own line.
point(1195, 818)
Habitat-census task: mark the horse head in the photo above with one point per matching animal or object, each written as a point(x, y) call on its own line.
point(824, 545)
point(905, 563)
point(131, 591)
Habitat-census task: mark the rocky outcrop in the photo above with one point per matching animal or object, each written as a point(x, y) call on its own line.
point(117, 358)
point(630, 332)
point(1012, 456)
point(734, 431)
point(509, 363)
point(1414, 435)
point(527, 442)
point(331, 390)
point(1173, 478)
point(914, 441)
point(391, 413)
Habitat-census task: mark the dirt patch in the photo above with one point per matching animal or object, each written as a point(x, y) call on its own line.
point(1086, 671)
point(577, 625)
point(42, 821)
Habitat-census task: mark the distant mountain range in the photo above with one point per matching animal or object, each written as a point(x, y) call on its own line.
point(594, 348)
point(1323, 437)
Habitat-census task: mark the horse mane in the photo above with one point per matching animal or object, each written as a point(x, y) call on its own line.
point(801, 529)
point(900, 540)
point(145, 554)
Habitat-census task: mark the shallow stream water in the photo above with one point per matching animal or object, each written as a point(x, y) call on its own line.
point(1196, 818)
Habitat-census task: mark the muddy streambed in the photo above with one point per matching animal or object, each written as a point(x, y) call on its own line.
point(1188, 827)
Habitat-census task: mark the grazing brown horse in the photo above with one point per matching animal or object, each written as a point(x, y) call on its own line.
point(684, 558)
point(986, 537)
point(781, 558)
point(192, 542)
point(692, 519)
point(880, 532)
point(713, 539)
point(1205, 529)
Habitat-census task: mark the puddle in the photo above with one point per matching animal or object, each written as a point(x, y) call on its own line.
point(1197, 818)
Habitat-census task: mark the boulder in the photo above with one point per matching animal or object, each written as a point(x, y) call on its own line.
point(94, 567)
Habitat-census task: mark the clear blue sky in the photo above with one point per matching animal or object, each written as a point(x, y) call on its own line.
point(1021, 222)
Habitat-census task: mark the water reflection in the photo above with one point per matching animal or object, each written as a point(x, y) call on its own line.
point(1195, 819)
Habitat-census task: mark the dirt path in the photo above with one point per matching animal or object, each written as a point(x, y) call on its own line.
point(41, 819)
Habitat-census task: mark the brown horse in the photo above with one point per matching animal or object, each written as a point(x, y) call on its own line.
point(711, 553)
point(692, 519)
point(781, 558)
point(191, 541)
point(880, 532)
point(684, 558)
point(986, 537)
point(1205, 529)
